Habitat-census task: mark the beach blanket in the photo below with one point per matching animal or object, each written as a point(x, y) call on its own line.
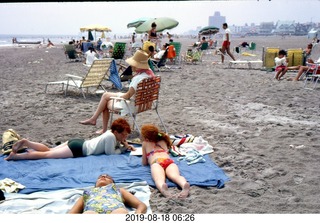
point(57, 174)
point(61, 201)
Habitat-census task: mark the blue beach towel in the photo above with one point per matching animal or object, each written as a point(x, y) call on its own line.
point(114, 75)
point(57, 174)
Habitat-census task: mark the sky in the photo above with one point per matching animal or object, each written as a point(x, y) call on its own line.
point(64, 18)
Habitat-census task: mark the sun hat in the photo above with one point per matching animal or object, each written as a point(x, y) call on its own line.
point(139, 60)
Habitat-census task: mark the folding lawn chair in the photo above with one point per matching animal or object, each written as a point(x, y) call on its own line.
point(146, 99)
point(93, 79)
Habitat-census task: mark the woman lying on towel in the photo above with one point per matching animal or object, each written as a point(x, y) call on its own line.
point(107, 143)
point(106, 198)
point(155, 152)
point(141, 70)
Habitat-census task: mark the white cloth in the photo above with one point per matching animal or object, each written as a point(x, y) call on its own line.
point(10, 186)
point(227, 31)
point(134, 84)
point(90, 57)
point(106, 143)
point(281, 61)
point(159, 55)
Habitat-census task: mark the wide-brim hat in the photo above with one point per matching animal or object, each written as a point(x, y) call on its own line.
point(139, 60)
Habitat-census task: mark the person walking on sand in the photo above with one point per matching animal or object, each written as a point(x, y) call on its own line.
point(107, 143)
point(226, 43)
point(106, 198)
point(155, 152)
point(141, 70)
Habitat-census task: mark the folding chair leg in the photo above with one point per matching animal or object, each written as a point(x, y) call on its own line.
point(162, 121)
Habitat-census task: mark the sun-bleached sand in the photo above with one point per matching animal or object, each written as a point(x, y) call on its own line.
point(265, 133)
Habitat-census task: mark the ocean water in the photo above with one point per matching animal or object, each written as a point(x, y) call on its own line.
point(6, 39)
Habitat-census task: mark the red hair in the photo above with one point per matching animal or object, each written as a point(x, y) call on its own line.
point(153, 134)
point(120, 125)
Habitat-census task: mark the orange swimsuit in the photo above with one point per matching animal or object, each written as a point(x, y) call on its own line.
point(164, 162)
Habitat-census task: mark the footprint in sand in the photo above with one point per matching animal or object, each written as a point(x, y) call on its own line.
point(298, 179)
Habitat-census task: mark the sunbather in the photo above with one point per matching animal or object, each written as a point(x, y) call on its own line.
point(141, 70)
point(155, 149)
point(106, 198)
point(302, 69)
point(107, 143)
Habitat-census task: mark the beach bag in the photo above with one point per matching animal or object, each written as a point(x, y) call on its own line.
point(9, 137)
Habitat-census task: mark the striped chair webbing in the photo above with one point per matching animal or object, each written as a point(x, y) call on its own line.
point(147, 92)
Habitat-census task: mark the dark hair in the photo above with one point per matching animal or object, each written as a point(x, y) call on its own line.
point(151, 49)
point(225, 24)
point(120, 125)
point(152, 133)
point(153, 24)
point(282, 52)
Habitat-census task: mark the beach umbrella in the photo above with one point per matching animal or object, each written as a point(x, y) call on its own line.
point(163, 23)
point(208, 30)
point(95, 28)
point(103, 35)
point(90, 36)
point(137, 22)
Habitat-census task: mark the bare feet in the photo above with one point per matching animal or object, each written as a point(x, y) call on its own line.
point(19, 145)
point(185, 191)
point(165, 191)
point(88, 122)
point(99, 132)
point(11, 156)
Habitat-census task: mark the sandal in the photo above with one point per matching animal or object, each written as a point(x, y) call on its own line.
point(9, 138)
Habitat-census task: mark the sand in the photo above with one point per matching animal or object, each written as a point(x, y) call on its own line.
point(265, 133)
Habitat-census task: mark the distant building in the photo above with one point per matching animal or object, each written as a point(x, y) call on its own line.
point(266, 28)
point(285, 27)
point(217, 20)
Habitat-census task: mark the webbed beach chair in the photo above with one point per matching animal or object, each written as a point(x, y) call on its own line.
point(119, 50)
point(177, 47)
point(146, 99)
point(71, 53)
point(93, 79)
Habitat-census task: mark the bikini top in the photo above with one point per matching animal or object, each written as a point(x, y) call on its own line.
point(162, 150)
point(153, 34)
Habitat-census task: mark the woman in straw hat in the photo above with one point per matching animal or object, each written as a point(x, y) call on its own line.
point(141, 70)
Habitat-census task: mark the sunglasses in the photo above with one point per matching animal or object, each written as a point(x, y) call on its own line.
point(105, 176)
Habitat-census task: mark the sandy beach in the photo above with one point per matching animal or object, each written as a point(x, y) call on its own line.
point(265, 132)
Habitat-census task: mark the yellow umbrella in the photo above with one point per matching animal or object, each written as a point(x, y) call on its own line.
point(103, 36)
point(95, 27)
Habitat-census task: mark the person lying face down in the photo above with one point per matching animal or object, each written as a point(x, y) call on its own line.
point(107, 143)
point(106, 198)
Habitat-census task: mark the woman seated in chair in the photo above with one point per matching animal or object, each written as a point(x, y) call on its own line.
point(141, 70)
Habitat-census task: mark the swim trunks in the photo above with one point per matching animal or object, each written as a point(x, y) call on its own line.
point(226, 44)
point(75, 146)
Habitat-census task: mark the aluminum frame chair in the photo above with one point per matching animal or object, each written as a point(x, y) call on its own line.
point(146, 99)
point(93, 79)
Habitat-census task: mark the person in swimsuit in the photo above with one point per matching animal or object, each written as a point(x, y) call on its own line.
point(155, 152)
point(106, 198)
point(152, 34)
point(107, 143)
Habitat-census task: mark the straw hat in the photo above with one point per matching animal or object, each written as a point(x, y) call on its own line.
point(139, 60)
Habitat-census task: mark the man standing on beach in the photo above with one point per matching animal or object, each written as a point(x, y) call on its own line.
point(226, 43)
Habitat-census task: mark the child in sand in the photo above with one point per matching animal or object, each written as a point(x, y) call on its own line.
point(281, 64)
point(155, 149)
